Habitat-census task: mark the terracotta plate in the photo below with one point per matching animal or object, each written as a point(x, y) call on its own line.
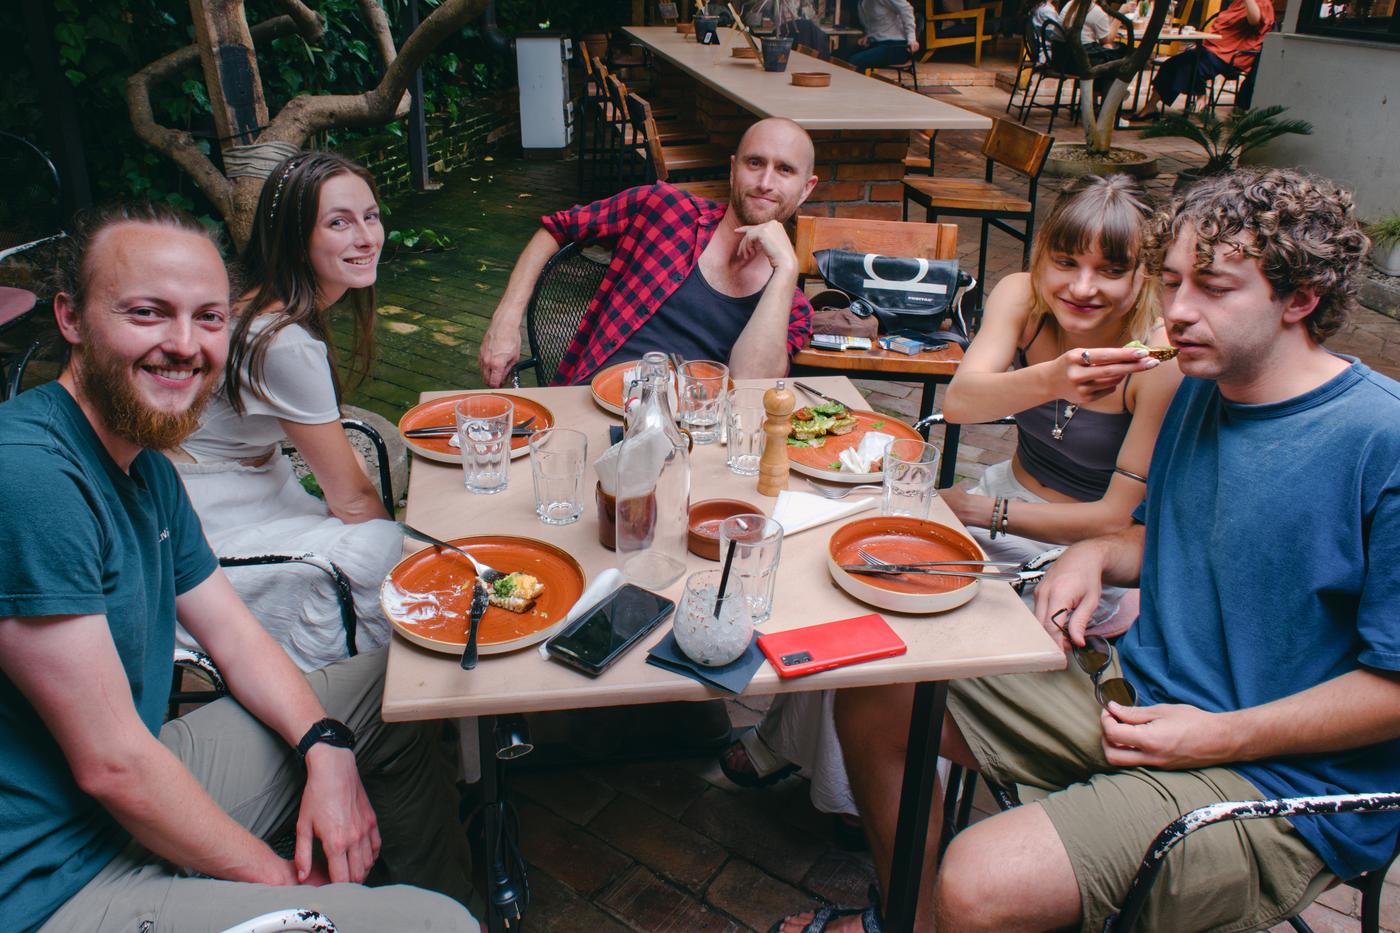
point(816, 461)
point(439, 411)
point(903, 540)
point(427, 597)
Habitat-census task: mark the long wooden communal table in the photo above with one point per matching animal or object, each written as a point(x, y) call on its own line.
point(860, 125)
point(992, 634)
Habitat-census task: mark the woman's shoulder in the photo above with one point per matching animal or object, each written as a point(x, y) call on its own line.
point(1010, 302)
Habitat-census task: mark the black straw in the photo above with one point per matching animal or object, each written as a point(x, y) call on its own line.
point(724, 575)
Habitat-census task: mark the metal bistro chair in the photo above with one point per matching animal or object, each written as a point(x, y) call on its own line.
point(1009, 145)
point(566, 285)
point(1050, 36)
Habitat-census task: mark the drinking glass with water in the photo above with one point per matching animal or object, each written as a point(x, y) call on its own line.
point(484, 425)
point(703, 386)
point(746, 438)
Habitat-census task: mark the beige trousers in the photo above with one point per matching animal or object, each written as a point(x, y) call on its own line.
point(257, 779)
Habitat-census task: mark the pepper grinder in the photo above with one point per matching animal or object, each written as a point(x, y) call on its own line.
point(778, 403)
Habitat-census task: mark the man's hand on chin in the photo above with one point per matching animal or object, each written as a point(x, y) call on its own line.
point(771, 240)
point(335, 810)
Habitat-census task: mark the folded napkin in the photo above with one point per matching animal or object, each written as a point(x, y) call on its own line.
point(600, 589)
point(731, 678)
point(863, 457)
point(798, 511)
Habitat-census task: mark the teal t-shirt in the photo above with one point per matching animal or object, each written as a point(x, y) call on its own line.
point(1271, 565)
point(81, 538)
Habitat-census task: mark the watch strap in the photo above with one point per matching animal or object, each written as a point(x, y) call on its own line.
point(331, 731)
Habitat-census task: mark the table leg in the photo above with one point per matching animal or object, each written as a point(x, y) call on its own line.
point(491, 815)
point(915, 804)
point(948, 464)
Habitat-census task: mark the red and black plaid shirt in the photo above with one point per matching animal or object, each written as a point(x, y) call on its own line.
point(658, 233)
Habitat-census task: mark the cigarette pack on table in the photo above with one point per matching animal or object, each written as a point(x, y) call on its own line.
point(901, 345)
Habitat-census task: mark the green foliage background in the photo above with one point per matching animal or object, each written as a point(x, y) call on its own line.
point(102, 42)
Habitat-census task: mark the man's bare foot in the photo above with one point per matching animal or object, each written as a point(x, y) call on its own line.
point(844, 921)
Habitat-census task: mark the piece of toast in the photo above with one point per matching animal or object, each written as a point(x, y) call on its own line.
point(1157, 353)
point(515, 592)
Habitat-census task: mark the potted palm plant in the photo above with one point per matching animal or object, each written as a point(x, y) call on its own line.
point(1385, 244)
point(1224, 141)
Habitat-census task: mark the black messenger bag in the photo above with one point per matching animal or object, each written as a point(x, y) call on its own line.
point(901, 292)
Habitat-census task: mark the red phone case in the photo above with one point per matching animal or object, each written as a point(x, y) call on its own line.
point(814, 648)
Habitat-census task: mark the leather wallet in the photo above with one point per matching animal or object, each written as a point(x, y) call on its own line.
point(801, 651)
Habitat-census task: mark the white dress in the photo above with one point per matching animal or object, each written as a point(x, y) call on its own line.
point(249, 511)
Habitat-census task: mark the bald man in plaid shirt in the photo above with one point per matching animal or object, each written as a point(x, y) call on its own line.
point(687, 276)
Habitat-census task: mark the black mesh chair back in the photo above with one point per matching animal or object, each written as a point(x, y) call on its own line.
point(566, 285)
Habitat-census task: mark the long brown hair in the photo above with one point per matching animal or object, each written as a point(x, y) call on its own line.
point(275, 269)
point(1115, 213)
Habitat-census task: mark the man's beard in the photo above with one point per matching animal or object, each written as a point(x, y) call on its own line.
point(109, 386)
point(780, 212)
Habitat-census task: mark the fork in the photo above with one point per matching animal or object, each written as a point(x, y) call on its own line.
point(832, 493)
point(485, 576)
point(874, 561)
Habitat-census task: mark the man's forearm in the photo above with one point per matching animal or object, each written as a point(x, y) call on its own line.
point(761, 352)
point(511, 308)
point(1354, 710)
point(1121, 553)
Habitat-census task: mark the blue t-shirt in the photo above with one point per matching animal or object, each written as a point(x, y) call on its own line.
point(1272, 565)
point(81, 538)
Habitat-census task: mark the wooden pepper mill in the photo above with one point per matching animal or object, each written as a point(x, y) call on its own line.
point(778, 403)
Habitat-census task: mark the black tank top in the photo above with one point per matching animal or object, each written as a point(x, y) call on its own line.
point(696, 321)
point(1081, 463)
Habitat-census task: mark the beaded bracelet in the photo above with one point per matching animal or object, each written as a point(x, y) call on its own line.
point(1005, 515)
point(997, 506)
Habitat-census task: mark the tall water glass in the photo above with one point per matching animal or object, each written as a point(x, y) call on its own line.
point(706, 636)
point(703, 385)
point(557, 460)
point(484, 424)
point(758, 544)
point(911, 468)
point(746, 437)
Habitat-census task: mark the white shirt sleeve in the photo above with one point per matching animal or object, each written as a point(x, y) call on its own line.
point(296, 380)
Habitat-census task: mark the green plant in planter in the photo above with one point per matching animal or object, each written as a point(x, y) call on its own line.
point(1385, 244)
point(1224, 141)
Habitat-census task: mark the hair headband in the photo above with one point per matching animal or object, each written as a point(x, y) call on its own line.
point(277, 192)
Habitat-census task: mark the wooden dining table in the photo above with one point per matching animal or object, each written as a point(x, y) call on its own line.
point(994, 633)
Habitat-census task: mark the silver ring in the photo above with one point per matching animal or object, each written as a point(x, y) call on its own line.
point(1084, 355)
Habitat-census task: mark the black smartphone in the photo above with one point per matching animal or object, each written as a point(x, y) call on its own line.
point(594, 642)
point(930, 341)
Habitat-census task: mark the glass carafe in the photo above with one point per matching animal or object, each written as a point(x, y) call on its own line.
point(653, 485)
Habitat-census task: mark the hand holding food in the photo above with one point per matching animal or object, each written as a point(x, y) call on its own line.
point(1157, 353)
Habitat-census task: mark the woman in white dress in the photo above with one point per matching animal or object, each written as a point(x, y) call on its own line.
point(316, 240)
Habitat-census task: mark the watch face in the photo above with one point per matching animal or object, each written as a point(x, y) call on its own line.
point(329, 731)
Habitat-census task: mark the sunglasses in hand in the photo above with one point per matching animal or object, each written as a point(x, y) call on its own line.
point(1094, 659)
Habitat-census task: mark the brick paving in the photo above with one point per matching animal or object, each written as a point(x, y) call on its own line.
point(672, 845)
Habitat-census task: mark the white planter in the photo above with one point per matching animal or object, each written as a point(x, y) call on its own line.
point(1387, 258)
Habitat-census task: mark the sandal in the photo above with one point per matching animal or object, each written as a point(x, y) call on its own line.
point(761, 766)
point(870, 920)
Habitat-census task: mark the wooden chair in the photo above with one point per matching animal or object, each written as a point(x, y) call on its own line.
point(842, 63)
point(662, 160)
point(1008, 144)
point(910, 68)
point(962, 26)
point(710, 190)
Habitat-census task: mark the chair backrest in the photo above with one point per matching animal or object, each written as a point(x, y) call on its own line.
point(885, 237)
point(562, 293)
point(31, 212)
point(1183, 15)
point(644, 124)
point(805, 50)
point(1017, 147)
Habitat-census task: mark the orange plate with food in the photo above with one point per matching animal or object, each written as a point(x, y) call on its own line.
point(440, 412)
point(428, 596)
point(902, 540)
point(823, 463)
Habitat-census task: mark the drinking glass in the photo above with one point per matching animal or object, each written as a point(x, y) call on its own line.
point(911, 467)
point(703, 385)
point(710, 638)
point(484, 424)
point(758, 543)
point(746, 437)
point(557, 459)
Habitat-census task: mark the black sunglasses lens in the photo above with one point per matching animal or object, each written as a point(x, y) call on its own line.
point(1093, 657)
point(1116, 690)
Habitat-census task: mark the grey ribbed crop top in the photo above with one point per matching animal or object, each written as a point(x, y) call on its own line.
point(1081, 464)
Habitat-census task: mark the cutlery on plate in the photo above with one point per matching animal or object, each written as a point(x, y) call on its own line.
point(483, 573)
point(934, 571)
point(874, 561)
point(448, 430)
point(821, 395)
point(480, 600)
point(834, 493)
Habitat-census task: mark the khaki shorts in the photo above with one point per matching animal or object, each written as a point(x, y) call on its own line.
point(1041, 732)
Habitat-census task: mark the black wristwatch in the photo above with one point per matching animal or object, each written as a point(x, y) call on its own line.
point(330, 731)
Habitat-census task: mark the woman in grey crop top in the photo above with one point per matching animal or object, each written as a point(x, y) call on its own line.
point(1051, 352)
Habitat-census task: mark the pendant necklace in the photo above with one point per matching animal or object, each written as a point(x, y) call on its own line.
point(1058, 432)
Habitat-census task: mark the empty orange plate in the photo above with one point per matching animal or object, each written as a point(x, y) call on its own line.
point(428, 596)
point(901, 540)
point(440, 412)
point(818, 461)
point(608, 389)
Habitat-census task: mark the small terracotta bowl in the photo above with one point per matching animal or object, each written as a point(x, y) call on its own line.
point(705, 519)
point(743, 51)
point(685, 29)
point(811, 78)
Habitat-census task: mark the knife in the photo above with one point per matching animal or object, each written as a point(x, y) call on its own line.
point(424, 433)
point(480, 600)
point(821, 395)
point(905, 568)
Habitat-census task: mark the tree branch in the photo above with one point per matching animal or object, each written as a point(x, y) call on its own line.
point(308, 114)
point(308, 22)
point(179, 145)
point(378, 22)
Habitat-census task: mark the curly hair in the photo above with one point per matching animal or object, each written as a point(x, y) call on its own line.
point(1301, 228)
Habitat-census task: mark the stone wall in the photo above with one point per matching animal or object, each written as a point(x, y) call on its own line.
point(480, 126)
